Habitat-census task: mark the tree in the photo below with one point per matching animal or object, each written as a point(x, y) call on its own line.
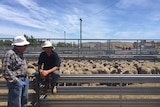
point(32, 41)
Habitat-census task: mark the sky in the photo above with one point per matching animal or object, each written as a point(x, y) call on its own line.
point(101, 19)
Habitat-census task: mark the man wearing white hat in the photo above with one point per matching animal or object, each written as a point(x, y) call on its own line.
point(48, 65)
point(14, 69)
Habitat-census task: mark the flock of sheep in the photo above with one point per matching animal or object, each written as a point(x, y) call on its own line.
point(104, 67)
point(89, 67)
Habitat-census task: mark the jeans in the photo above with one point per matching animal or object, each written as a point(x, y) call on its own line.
point(18, 92)
point(54, 77)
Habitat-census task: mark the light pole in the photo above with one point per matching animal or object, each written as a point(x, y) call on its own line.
point(80, 32)
point(64, 37)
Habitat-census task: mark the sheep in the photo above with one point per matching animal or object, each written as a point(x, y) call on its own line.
point(31, 71)
point(157, 68)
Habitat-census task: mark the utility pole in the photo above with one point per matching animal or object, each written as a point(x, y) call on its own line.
point(64, 37)
point(80, 32)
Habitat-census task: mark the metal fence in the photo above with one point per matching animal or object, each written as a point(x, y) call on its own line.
point(121, 90)
point(127, 91)
point(97, 48)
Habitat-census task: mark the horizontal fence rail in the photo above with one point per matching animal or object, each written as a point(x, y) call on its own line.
point(100, 103)
point(114, 78)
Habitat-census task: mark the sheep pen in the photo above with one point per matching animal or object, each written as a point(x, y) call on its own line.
point(90, 67)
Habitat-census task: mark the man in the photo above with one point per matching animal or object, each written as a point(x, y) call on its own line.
point(14, 69)
point(48, 65)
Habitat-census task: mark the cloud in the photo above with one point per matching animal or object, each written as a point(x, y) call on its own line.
point(34, 16)
point(124, 19)
point(18, 17)
point(131, 3)
point(137, 35)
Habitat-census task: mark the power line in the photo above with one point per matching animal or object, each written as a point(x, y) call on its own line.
point(107, 7)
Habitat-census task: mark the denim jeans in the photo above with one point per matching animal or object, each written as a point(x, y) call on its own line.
point(18, 92)
point(54, 77)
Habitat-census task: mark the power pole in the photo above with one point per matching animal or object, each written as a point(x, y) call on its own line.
point(80, 32)
point(65, 37)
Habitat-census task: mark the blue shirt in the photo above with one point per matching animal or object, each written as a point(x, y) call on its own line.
point(49, 62)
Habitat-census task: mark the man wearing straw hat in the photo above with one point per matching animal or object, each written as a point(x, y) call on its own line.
point(14, 69)
point(48, 66)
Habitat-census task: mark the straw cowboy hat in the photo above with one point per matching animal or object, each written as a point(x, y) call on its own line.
point(20, 41)
point(46, 44)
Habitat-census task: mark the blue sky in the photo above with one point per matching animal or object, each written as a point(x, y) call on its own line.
point(101, 19)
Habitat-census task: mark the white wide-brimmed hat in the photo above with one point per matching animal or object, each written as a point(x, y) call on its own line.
point(46, 44)
point(20, 41)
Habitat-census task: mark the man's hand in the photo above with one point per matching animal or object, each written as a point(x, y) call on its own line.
point(43, 73)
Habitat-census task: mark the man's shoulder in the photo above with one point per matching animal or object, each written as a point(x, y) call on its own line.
point(42, 53)
point(54, 52)
point(9, 51)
